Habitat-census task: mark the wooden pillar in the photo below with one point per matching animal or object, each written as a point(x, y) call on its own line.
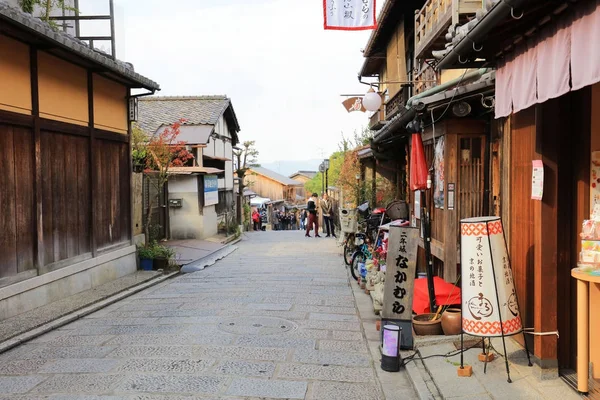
point(583, 355)
point(37, 137)
point(132, 198)
point(92, 158)
point(451, 236)
point(374, 183)
point(546, 234)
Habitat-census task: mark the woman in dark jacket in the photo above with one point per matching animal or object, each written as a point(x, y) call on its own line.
point(312, 216)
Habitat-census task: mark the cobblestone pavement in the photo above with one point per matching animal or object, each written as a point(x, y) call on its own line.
point(274, 320)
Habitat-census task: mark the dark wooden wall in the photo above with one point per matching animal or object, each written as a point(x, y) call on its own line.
point(17, 218)
point(111, 193)
point(65, 195)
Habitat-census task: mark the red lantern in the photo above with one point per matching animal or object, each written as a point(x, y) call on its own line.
point(418, 164)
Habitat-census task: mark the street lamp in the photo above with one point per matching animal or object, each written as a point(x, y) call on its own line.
point(372, 100)
point(322, 171)
point(326, 167)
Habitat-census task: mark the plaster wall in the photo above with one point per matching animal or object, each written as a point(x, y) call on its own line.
point(44, 289)
point(15, 76)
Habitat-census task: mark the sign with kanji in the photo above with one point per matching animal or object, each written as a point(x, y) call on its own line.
point(349, 15)
point(353, 104)
point(401, 264)
point(489, 299)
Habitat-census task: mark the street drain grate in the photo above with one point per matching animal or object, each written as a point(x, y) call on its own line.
point(257, 326)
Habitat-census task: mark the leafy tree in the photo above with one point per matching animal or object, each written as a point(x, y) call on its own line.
point(164, 151)
point(246, 157)
point(46, 7)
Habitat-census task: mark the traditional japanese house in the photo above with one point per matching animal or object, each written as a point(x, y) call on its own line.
point(303, 177)
point(65, 203)
point(200, 196)
point(447, 106)
point(272, 185)
point(547, 108)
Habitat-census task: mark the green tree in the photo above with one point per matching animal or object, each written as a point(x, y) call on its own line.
point(46, 8)
point(246, 158)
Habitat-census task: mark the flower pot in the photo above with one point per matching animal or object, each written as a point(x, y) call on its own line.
point(161, 263)
point(451, 321)
point(138, 168)
point(424, 326)
point(146, 264)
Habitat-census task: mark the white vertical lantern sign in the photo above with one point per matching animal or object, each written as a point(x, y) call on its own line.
point(489, 300)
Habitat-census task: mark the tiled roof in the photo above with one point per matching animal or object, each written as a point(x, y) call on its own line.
point(197, 110)
point(275, 176)
point(308, 174)
point(35, 25)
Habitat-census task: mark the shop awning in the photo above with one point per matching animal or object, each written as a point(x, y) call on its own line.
point(195, 170)
point(562, 58)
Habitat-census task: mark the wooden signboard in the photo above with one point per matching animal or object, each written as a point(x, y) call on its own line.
point(401, 264)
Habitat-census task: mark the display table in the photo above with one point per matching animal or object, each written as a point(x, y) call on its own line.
point(588, 300)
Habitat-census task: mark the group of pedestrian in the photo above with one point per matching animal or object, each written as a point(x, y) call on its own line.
point(284, 220)
point(326, 207)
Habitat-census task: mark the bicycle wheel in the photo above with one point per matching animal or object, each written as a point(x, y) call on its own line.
point(349, 248)
point(357, 258)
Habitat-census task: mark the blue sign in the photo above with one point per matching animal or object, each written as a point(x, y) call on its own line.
point(211, 190)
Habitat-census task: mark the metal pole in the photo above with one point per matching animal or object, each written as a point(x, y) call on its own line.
point(112, 30)
point(327, 181)
point(322, 182)
point(428, 257)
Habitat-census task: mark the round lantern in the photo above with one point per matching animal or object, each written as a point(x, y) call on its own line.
point(372, 100)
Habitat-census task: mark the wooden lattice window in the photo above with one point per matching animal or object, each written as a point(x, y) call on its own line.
point(471, 176)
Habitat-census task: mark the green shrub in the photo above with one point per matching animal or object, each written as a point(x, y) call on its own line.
point(146, 252)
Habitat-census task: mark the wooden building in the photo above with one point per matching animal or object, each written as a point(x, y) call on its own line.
point(550, 117)
point(271, 185)
point(210, 132)
point(65, 203)
point(303, 177)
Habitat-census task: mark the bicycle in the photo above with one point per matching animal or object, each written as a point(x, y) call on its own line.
point(360, 255)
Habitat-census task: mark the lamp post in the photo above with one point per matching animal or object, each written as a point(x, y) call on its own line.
point(322, 171)
point(326, 167)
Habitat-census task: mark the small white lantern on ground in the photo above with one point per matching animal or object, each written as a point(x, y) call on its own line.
point(390, 354)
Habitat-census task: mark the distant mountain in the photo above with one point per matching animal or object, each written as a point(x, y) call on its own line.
point(287, 167)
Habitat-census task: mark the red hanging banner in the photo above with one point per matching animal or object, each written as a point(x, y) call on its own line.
point(418, 164)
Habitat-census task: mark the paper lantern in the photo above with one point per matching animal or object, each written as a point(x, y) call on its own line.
point(372, 101)
point(390, 354)
point(489, 300)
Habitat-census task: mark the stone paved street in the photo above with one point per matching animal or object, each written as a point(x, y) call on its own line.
point(274, 320)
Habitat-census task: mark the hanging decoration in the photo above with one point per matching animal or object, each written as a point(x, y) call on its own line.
point(438, 165)
point(418, 164)
point(349, 15)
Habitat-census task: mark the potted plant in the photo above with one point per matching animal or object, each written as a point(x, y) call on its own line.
point(163, 255)
point(138, 157)
point(146, 255)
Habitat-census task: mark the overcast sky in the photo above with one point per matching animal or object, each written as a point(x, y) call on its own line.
point(283, 72)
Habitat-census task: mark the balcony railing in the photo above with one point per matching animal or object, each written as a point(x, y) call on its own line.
point(377, 120)
point(396, 104)
point(433, 20)
point(426, 78)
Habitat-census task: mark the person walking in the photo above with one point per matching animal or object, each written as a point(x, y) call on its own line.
point(275, 220)
point(256, 220)
point(294, 221)
point(303, 220)
point(326, 207)
point(312, 216)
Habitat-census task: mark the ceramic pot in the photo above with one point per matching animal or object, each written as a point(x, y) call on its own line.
point(423, 325)
point(451, 321)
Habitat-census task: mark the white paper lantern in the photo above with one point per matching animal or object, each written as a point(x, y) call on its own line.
point(372, 101)
point(489, 299)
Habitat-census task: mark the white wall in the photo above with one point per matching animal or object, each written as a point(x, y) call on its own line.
point(229, 166)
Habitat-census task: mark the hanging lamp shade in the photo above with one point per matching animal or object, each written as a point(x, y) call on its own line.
point(418, 164)
point(372, 100)
point(489, 301)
